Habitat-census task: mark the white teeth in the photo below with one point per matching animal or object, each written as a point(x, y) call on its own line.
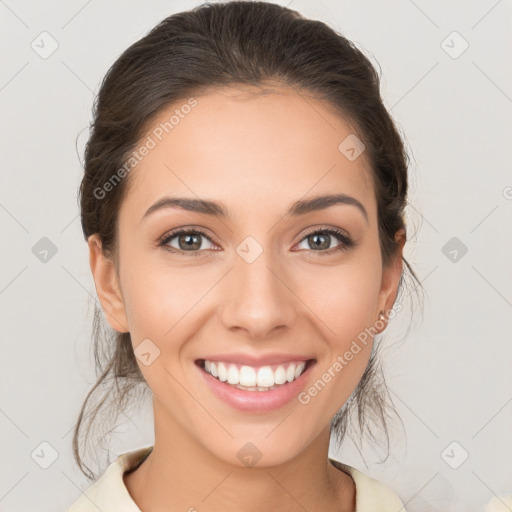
point(252, 379)
point(265, 378)
point(223, 373)
point(247, 376)
point(299, 369)
point(233, 375)
point(279, 376)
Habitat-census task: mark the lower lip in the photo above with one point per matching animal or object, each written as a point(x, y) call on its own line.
point(256, 401)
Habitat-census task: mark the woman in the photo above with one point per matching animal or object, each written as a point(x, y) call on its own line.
point(243, 203)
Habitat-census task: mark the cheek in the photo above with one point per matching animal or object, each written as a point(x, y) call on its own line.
point(157, 295)
point(345, 298)
point(340, 299)
point(345, 344)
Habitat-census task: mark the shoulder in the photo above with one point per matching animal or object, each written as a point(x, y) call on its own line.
point(109, 493)
point(371, 495)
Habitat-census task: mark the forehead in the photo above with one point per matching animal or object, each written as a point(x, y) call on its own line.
point(248, 147)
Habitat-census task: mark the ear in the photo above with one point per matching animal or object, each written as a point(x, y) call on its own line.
point(390, 280)
point(107, 286)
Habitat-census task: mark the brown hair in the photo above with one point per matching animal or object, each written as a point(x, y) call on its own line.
point(212, 46)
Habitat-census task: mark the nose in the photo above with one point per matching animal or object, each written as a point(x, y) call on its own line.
point(258, 298)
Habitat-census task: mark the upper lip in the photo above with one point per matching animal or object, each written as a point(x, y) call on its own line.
point(263, 360)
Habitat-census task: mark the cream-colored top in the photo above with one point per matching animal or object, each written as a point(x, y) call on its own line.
point(109, 493)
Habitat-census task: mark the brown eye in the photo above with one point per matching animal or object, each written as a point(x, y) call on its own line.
point(190, 241)
point(320, 241)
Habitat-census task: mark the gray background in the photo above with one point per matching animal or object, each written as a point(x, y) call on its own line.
point(450, 377)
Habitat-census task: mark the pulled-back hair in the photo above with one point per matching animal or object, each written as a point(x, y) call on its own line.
point(210, 47)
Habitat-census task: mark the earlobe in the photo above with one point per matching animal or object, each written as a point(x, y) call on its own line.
point(107, 286)
point(390, 281)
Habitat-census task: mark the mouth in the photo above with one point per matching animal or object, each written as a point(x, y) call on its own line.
point(255, 378)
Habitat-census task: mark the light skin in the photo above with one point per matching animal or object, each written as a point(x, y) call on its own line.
point(256, 154)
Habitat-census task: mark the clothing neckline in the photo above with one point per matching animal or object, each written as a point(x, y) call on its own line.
point(130, 461)
point(110, 494)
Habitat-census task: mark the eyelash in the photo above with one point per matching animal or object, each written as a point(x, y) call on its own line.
point(346, 241)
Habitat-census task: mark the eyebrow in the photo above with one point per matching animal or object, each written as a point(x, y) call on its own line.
point(215, 209)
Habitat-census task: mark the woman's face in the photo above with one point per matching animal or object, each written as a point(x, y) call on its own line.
point(261, 287)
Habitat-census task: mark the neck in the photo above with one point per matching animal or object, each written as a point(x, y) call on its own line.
point(180, 474)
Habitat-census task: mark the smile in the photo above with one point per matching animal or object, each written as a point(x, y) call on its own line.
point(266, 387)
point(250, 378)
